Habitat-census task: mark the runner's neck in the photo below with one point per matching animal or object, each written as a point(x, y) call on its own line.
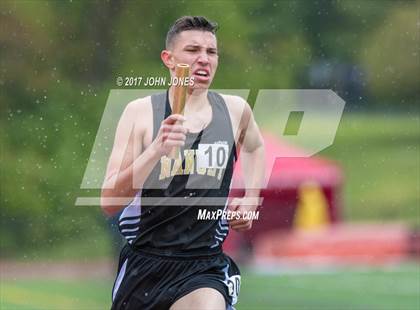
point(197, 100)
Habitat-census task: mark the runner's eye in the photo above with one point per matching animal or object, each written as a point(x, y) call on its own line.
point(191, 49)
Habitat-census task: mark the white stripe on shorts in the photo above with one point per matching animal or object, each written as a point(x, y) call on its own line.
point(119, 279)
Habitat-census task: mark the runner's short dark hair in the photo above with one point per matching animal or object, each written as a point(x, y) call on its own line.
point(189, 23)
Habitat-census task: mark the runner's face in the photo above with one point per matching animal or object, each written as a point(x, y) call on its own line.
point(199, 50)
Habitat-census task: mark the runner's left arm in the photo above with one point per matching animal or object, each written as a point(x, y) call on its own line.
point(252, 154)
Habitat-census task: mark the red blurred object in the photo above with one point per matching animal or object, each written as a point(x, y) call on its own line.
point(338, 244)
point(287, 174)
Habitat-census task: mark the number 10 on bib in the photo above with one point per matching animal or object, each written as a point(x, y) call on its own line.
point(212, 156)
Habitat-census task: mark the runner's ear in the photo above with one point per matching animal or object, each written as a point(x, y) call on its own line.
point(167, 59)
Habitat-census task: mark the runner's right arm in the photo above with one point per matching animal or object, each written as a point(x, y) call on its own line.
point(130, 162)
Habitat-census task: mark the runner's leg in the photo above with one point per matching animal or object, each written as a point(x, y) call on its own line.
point(202, 298)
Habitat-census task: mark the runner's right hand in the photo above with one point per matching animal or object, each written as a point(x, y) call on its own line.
point(171, 134)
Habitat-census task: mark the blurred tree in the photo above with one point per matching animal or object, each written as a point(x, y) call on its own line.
point(391, 55)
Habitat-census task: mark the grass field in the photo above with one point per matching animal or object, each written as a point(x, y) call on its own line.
point(364, 289)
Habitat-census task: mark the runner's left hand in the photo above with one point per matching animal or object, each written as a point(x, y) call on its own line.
point(242, 205)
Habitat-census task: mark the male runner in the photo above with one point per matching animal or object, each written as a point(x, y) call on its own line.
point(172, 259)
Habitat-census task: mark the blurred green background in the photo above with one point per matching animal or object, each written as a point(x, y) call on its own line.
point(59, 59)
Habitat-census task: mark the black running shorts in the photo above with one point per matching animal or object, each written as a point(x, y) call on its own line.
point(149, 281)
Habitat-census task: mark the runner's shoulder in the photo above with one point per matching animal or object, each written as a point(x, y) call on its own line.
point(140, 105)
point(139, 112)
point(236, 104)
point(139, 109)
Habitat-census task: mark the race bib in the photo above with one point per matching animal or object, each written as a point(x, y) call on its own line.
point(212, 156)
